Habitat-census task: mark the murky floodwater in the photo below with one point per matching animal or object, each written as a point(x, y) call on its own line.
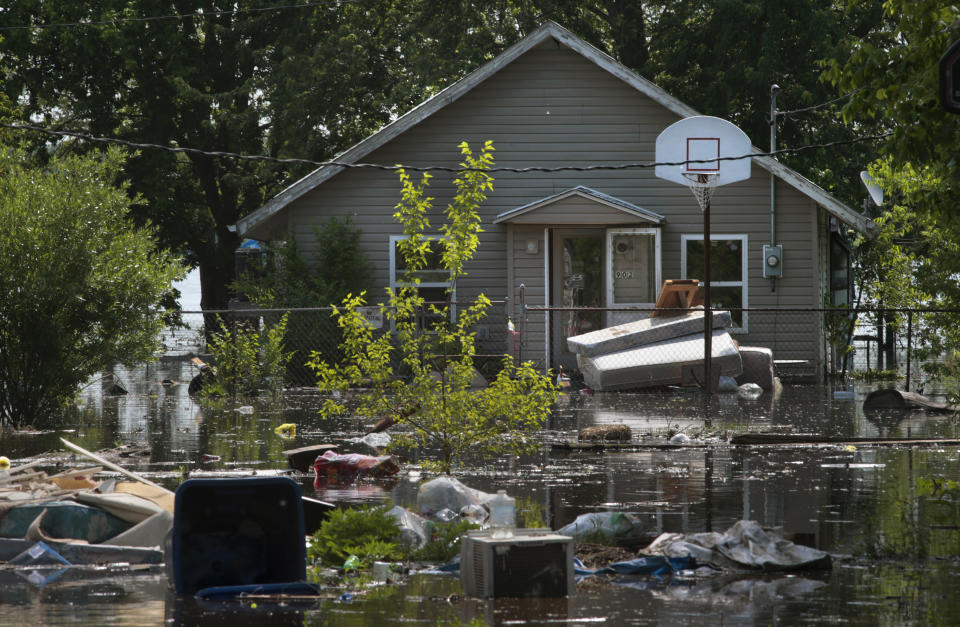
point(890, 514)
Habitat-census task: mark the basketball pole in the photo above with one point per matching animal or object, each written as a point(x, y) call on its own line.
point(707, 311)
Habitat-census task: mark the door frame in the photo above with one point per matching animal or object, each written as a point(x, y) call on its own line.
point(612, 232)
point(552, 263)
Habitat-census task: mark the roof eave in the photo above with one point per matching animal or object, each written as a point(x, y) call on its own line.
point(842, 212)
point(466, 84)
point(586, 193)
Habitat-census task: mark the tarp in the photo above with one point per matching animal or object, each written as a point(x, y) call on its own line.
point(745, 545)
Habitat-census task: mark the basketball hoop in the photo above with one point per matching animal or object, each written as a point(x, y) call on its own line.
point(702, 185)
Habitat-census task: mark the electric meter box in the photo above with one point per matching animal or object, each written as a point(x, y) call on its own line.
point(530, 564)
point(772, 261)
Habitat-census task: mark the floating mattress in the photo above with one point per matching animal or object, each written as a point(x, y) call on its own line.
point(669, 362)
point(757, 367)
point(643, 332)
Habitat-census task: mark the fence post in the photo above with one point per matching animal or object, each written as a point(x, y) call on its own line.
point(909, 346)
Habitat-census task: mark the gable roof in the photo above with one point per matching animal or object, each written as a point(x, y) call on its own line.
point(549, 30)
point(583, 192)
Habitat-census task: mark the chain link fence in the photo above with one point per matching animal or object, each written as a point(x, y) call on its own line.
point(315, 330)
point(805, 344)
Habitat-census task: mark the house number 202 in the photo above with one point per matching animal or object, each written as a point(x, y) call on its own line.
point(623, 274)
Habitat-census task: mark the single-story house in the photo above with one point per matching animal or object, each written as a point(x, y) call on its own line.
point(590, 237)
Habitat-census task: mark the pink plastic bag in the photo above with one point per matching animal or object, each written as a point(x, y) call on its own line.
point(334, 467)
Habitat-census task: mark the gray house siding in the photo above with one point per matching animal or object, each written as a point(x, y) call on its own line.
point(554, 107)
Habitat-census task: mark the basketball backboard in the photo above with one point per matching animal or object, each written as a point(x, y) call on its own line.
point(704, 141)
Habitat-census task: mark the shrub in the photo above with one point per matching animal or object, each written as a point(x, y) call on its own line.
point(367, 532)
point(80, 285)
point(246, 359)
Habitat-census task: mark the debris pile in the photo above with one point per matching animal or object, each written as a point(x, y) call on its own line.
point(668, 348)
point(79, 520)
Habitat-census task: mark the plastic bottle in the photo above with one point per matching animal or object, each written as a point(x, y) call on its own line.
point(503, 513)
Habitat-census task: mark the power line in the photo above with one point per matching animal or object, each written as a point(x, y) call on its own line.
point(180, 16)
point(819, 106)
point(412, 168)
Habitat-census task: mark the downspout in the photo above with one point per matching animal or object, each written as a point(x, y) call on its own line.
point(774, 90)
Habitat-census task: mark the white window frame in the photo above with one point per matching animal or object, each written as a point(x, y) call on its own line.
point(745, 270)
point(395, 284)
point(611, 233)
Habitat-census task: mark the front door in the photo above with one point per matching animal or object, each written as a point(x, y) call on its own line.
point(577, 281)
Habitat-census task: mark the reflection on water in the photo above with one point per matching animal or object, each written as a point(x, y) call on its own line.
point(889, 513)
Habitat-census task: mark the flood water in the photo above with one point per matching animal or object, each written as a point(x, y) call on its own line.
point(890, 515)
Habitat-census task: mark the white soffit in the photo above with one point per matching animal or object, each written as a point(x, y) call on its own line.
point(587, 193)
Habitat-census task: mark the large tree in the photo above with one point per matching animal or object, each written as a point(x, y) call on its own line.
point(80, 285)
point(893, 72)
point(309, 80)
point(241, 77)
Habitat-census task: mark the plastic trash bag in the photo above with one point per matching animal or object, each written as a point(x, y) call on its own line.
point(603, 527)
point(448, 493)
point(750, 544)
point(342, 468)
point(40, 554)
point(745, 545)
point(749, 391)
point(727, 385)
point(376, 441)
point(414, 530)
point(474, 513)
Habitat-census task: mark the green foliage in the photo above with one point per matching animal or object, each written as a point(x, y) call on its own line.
point(530, 514)
point(369, 533)
point(892, 69)
point(312, 80)
point(422, 373)
point(444, 542)
point(80, 285)
point(286, 279)
point(870, 375)
point(246, 359)
point(947, 371)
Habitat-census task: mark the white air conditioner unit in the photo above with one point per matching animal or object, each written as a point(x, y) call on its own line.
point(532, 563)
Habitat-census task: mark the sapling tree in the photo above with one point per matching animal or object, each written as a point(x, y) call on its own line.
point(419, 376)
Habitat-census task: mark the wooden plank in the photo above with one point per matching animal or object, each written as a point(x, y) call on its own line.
point(776, 439)
point(108, 464)
point(302, 458)
point(621, 446)
point(677, 295)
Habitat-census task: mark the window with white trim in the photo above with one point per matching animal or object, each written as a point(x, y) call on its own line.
point(728, 272)
point(434, 280)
